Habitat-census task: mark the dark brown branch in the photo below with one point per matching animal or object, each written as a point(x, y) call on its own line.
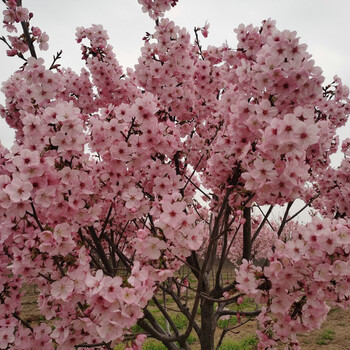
point(234, 312)
point(155, 329)
point(247, 233)
point(87, 242)
point(5, 41)
point(35, 216)
point(224, 247)
point(177, 162)
point(100, 251)
point(49, 279)
point(166, 315)
point(85, 345)
point(225, 301)
point(129, 131)
point(107, 219)
point(25, 323)
point(272, 228)
point(57, 263)
point(209, 256)
point(25, 26)
point(19, 54)
point(198, 43)
point(112, 252)
point(55, 58)
point(199, 189)
point(262, 223)
point(303, 208)
point(126, 261)
point(198, 213)
point(182, 308)
point(28, 39)
point(193, 172)
point(284, 220)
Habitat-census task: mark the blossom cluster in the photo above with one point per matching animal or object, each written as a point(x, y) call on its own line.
point(156, 8)
point(262, 240)
point(19, 44)
point(99, 194)
point(303, 273)
point(335, 184)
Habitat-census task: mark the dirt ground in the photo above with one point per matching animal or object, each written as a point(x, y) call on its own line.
point(338, 321)
point(334, 334)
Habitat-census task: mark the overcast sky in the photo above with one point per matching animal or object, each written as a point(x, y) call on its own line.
point(323, 25)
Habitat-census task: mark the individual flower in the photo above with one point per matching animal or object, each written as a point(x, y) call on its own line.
point(18, 190)
point(62, 289)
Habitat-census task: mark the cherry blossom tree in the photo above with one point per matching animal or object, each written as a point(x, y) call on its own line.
point(118, 179)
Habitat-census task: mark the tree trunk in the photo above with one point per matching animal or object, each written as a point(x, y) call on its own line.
point(207, 325)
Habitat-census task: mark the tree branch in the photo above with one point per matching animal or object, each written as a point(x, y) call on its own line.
point(35, 216)
point(85, 345)
point(25, 323)
point(262, 223)
point(247, 233)
point(303, 208)
point(284, 220)
point(100, 251)
point(29, 41)
point(166, 315)
point(234, 312)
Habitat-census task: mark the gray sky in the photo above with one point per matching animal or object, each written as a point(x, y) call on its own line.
point(321, 24)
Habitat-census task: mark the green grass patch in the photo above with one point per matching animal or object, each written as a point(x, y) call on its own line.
point(248, 343)
point(325, 337)
point(232, 321)
point(247, 305)
point(191, 339)
point(180, 321)
point(153, 345)
point(136, 329)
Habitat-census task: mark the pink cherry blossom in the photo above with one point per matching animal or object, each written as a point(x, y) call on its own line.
point(62, 288)
point(18, 190)
point(119, 180)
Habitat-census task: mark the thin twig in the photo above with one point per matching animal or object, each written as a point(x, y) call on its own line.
point(29, 41)
point(198, 43)
point(284, 220)
point(85, 345)
point(262, 223)
point(25, 323)
point(303, 208)
point(234, 312)
point(198, 188)
point(57, 263)
point(55, 58)
point(35, 216)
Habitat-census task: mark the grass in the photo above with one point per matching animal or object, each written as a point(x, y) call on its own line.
point(248, 343)
point(152, 344)
point(325, 337)
point(232, 321)
point(180, 321)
